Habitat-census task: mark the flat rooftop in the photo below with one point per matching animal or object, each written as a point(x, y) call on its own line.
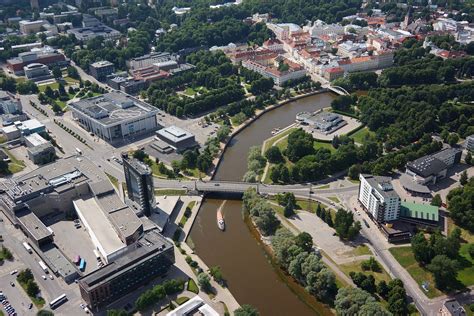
point(100, 227)
point(421, 211)
point(383, 185)
point(151, 243)
point(114, 108)
point(59, 262)
point(174, 133)
point(33, 224)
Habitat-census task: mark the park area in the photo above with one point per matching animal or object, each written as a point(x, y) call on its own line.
point(404, 256)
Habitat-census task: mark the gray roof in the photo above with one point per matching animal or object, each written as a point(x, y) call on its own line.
point(426, 166)
point(383, 185)
point(151, 243)
point(139, 166)
point(174, 133)
point(33, 224)
point(446, 153)
point(454, 308)
point(113, 108)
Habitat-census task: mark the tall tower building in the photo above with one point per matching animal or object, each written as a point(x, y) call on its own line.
point(139, 180)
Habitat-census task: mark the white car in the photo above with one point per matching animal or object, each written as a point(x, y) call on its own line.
point(82, 305)
point(44, 277)
point(14, 272)
point(51, 277)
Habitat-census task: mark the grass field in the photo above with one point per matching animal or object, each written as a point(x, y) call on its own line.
point(192, 286)
point(404, 256)
point(112, 179)
point(15, 165)
point(181, 300)
point(361, 251)
point(54, 86)
point(465, 234)
point(334, 199)
point(275, 138)
point(362, 135)
point(318, 145)
point(355, 266)
point(466, 275)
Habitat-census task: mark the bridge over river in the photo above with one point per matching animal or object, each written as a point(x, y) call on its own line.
point(236, 187)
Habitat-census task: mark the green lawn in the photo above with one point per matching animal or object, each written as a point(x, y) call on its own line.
point(466, 275)
point(274, 139)
point(112, 179)
point(361, 251)
point(362, 135)
point(181, 300)
point(184, 219)
point(192, 286)
point(318, 145)
point(355, 266)
point(15, 165)
point(38, 301)
point(404, 256)
point(465, 234)
point(326, 186)
point(70, 80)
point(54, 86)
point(189, 92)
point(334, 199)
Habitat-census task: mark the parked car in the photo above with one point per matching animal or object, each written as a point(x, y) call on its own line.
point(44, 277)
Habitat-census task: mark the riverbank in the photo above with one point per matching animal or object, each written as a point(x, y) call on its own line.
point(237, 130)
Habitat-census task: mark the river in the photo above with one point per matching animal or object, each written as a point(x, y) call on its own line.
point(249, 273)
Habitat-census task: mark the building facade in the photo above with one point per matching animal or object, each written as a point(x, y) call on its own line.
point(139, 180)
point(101, 69)
point(152, 257)
point(36, 71)
point(115, 116)
point(378, 198)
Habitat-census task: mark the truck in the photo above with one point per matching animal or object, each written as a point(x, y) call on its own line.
point(27, 247)
point(43, 266)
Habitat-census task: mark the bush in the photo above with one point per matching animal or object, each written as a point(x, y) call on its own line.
point(177, 234)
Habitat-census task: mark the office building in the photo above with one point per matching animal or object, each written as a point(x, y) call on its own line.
point(31, 27)
point(45, 55)
point(101, 69)
point(378, 198)
point(470, 143)
point(36, 71)
point(115, 116)
point(139, 180)
point(40, 151)
point(93, 28)
point(9, 104)
point(23, 128)
point(71, 186)
point(177, 138)
point(152, 256)
point(150, 59)
point(431, 168)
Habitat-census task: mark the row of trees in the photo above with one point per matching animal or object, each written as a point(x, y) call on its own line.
point(158, 292)
point(294, 253)
point(27, 280)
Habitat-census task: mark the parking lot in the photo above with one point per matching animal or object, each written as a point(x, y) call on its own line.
point(16, 296)
point(75, 241)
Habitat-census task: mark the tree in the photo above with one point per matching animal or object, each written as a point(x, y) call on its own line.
point(32, 288)
point(453, 139)
point(445, 271)
point(72, 72)
point(273, 155)
point(345, 226)
point(289, 209)
point(304, 241)
point(300, 144)
point(471, 250)
point(350, 301)
point(204, 281)
point(216, 273)
point(461, 204)
point(436, 201)
point(57, 72)
point(463, 178)
point(421, 250)
point(222, 133)
point(468, 158)
point(382, 289)
point(117, 312)
point(246, 310)
point(24, 276)
point(354, 172)
point(266, 221)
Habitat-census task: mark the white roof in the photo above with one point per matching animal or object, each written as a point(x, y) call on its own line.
point(35, 139)
point(194, 303)
point(29, 124)
point(9, 129)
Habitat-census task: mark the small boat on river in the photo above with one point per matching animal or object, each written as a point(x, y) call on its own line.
point(220, 217)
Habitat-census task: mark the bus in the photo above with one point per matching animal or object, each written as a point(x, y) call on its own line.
point(77, 260)
point(58, 301)
point(82, 264)
point(27, 247)
point(43, 266)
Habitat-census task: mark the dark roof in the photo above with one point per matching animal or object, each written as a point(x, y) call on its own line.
point(454, 308)
point(426, 166)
